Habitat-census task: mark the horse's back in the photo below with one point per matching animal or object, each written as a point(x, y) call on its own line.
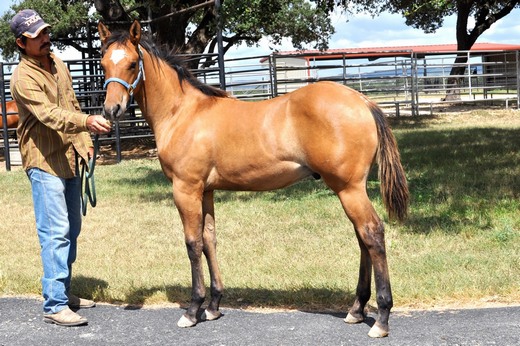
point(325, 99)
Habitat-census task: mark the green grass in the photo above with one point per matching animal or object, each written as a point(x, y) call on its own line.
point(294, 248)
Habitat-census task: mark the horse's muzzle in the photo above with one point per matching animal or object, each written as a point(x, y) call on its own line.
point(114, 112)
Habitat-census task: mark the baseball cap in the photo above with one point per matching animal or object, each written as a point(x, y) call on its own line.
point(27, 23)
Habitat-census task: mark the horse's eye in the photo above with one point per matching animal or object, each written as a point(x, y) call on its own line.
point(132, 66)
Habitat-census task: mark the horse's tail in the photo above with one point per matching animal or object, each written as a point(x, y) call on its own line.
point(394, 188)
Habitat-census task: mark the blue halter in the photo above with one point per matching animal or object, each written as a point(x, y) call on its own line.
point(130, 87)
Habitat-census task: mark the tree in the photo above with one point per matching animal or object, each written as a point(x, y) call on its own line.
point(68, 19)
point(185, 26)
point(429, 16)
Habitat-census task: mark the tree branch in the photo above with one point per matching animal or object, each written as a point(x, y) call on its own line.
point(169, 15)
point(112, 11)
point(484, 19)
point(155, 20)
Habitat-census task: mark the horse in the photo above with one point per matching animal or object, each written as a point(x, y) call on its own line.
point(11, 111)
point(207, 141)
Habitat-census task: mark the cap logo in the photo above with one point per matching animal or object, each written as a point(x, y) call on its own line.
point(32, 19)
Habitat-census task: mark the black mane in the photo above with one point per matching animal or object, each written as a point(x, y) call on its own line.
point(174, 61)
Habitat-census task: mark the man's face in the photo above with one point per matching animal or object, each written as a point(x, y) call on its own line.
point(37, 47)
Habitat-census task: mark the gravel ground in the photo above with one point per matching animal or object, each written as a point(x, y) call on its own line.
point(21, 324)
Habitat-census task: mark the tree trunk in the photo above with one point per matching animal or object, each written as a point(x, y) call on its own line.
point(484, 18)
point(464, 43)
point(113, 13)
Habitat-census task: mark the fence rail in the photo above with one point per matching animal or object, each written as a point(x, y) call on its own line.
point(408, 84)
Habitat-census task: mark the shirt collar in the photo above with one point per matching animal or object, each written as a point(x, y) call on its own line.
point(36, 62)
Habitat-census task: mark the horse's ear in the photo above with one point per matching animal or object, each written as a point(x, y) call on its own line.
point(104, 33)
point(135, 32)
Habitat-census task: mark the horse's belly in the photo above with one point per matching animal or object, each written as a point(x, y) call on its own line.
point(257, 178)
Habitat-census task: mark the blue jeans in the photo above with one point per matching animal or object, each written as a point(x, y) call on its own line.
point(57, 208)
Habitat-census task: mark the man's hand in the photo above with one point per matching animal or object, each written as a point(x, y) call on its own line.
point(98, 125)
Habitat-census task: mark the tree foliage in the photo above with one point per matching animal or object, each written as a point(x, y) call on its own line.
point(67, 19)
point(429, 15)
point(185, 26)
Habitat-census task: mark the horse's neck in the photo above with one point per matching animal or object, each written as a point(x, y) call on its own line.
point(160, 95)
point(162, 99)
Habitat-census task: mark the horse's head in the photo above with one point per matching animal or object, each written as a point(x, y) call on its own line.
point(123, 66)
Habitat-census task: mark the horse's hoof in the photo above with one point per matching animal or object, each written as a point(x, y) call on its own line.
point(185, 322)
point(377, 332)
point(353, 320)
point(210, 316)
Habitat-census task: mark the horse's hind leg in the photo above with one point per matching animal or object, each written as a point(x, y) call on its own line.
point(357, 311)
point(370, 235)
point(210, 251)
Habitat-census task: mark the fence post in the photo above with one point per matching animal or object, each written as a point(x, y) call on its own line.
point(517, 79)
point(468, 70)
point(220, 46)
point(274, 75)
point(414, 85)
point(7, 153)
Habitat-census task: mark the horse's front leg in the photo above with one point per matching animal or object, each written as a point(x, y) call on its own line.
point(189, 205)
point(210, 251)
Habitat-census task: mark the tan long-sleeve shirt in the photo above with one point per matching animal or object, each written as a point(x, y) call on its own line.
point(51, 126)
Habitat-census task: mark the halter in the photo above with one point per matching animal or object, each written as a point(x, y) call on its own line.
point(130, 87)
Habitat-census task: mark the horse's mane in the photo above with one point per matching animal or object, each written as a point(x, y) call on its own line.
point(174, 61)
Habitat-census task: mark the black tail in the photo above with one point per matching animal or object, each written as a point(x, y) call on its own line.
point(394, 188)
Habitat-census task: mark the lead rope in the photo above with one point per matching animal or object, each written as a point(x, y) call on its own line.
point(88, 184)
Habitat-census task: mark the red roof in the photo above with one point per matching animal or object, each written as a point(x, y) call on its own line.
point(378, 52)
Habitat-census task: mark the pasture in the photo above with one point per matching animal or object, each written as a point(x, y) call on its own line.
point(294, 248)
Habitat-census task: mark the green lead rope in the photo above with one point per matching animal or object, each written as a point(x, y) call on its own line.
point(88, 184)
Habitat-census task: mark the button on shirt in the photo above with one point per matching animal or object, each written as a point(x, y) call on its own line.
point(52, 127)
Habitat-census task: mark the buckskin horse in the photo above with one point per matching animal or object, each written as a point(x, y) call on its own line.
point(207, 141)
point(11, 111)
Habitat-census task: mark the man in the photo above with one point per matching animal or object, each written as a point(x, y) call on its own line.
point(54, 140)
